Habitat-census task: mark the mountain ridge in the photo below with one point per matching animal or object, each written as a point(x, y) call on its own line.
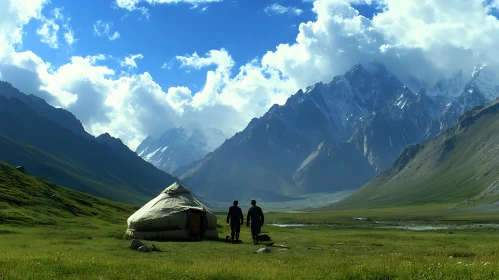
point(56, 153)
point(371, 112)
point(456, 165)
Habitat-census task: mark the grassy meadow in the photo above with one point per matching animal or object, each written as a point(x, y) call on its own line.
point(51, 232)
point(91, 248)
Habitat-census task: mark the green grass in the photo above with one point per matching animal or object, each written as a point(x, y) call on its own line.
point(94, 249)
point(50, 232)
point(27, 200)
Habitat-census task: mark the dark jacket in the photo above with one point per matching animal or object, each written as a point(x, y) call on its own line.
point(235, 215)
point(255, 216)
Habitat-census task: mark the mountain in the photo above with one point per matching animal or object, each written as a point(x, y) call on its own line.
point(102, 166)
point(261, 160)
point(26, 200)
point(359, 121)
point(180, 146)
point(351, 168)
point(58, 115)
point(460, 165)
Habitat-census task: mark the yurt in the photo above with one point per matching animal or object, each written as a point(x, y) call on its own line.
point(173, 215)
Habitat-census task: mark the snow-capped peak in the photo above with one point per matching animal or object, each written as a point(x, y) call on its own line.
point(180, 146)
point(451, 87)
point(484, 80)
point(476, 71)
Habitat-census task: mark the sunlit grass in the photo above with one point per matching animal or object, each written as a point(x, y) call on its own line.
point(49, 232)
point(318, 252)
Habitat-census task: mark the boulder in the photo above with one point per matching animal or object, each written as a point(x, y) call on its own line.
point(263, 250)
point(143, 248)
point(136, 244)
point(264, 237)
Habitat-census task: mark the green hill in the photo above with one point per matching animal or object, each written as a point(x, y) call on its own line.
point(27, 200)
point(459, 166)
point(103, 166)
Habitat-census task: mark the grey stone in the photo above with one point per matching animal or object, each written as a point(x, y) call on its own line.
point(136, 244)
point(143, 248)
point(263, 250)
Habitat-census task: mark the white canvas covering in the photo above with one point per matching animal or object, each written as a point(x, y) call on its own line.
point(173, 214)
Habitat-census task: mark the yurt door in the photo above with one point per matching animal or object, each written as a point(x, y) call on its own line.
point(196, 224)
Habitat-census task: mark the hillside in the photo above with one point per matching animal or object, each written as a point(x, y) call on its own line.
point(459, 165)
point(27, 200)
point(55, 153)
point(37, 104)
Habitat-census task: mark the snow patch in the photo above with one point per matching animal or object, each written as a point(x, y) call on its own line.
point(149, 156)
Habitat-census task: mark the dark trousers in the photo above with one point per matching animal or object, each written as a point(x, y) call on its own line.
point(255, 231)
point(234, 230)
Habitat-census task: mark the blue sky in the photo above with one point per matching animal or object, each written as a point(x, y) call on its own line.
point(244, 28)
point(225, 61)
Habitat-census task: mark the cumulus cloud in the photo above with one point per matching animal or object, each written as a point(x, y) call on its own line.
point(104, 29)
point(276, 9)
point(129, 61)
point(419, 40)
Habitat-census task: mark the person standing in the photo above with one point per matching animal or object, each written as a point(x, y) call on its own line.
point(236, 218)
point(255, 217)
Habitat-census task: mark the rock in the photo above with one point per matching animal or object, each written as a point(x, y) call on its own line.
point(21, 168)
point(143, 248)
point(136, 244)
point(263, 237)
point(263, 250)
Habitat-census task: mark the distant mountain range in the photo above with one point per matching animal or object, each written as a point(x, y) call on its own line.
point(334, 136)
point(458, 166)
point(329, 137)
point(180, 146)
point(52, 144)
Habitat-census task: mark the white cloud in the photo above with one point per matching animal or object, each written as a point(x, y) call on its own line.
point(276, 9)
point(49, 30)
point(104, 29)
point(167, 65)
point(129, 61)
point(221, 58)
point(132, 4)
point(48, 33)
point(413, 38)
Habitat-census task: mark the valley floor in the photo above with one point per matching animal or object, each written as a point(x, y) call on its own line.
point(347, 249)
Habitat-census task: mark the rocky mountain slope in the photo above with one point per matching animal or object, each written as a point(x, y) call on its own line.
point(360, 121)
point(458, 165)
point(178, 147)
